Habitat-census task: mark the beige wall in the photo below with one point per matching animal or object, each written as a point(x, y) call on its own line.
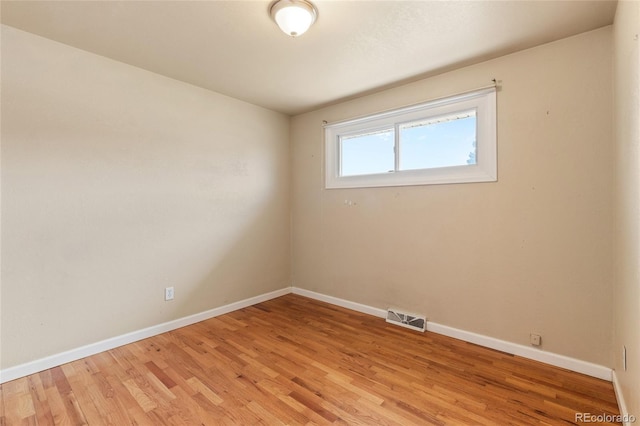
point(117, 183)
point(529, 253)
point(627, 202)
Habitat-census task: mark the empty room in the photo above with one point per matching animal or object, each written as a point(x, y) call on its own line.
point(320, 212)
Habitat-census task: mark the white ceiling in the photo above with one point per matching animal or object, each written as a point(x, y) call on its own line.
point(355, 47)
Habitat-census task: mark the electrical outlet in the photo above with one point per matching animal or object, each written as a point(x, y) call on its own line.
point(168, 293)
point(536, 339)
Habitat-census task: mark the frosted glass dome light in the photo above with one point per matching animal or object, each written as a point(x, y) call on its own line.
point(294, 17)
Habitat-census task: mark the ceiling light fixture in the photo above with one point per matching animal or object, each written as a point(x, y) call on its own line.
point(294, 17)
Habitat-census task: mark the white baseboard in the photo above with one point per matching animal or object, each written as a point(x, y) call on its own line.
point(550, 358)
point(620, 398)
point(562, 361)
point(358, 307)
point(572, 364)
point(38, 365)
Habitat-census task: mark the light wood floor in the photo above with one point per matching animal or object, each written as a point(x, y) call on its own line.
point(293, 360)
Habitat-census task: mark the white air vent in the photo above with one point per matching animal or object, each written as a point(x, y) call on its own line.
point(403, 319)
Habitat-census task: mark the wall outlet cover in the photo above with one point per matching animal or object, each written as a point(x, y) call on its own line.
point(168, 293)
point(536, 339)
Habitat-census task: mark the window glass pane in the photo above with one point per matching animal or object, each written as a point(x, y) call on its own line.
point(439, 142)
point(367, 154)
point(443, 141)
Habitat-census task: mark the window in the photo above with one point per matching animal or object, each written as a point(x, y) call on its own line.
point(449, 140)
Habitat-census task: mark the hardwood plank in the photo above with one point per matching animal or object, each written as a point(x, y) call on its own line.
point(20, 407)
point(141, 397)
point(296, 361)
point(205, 391)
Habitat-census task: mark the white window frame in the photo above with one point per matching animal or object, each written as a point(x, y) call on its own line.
point(483, 101)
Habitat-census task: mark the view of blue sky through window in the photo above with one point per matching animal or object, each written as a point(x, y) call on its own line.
point(442, 142)
point(367, 154)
